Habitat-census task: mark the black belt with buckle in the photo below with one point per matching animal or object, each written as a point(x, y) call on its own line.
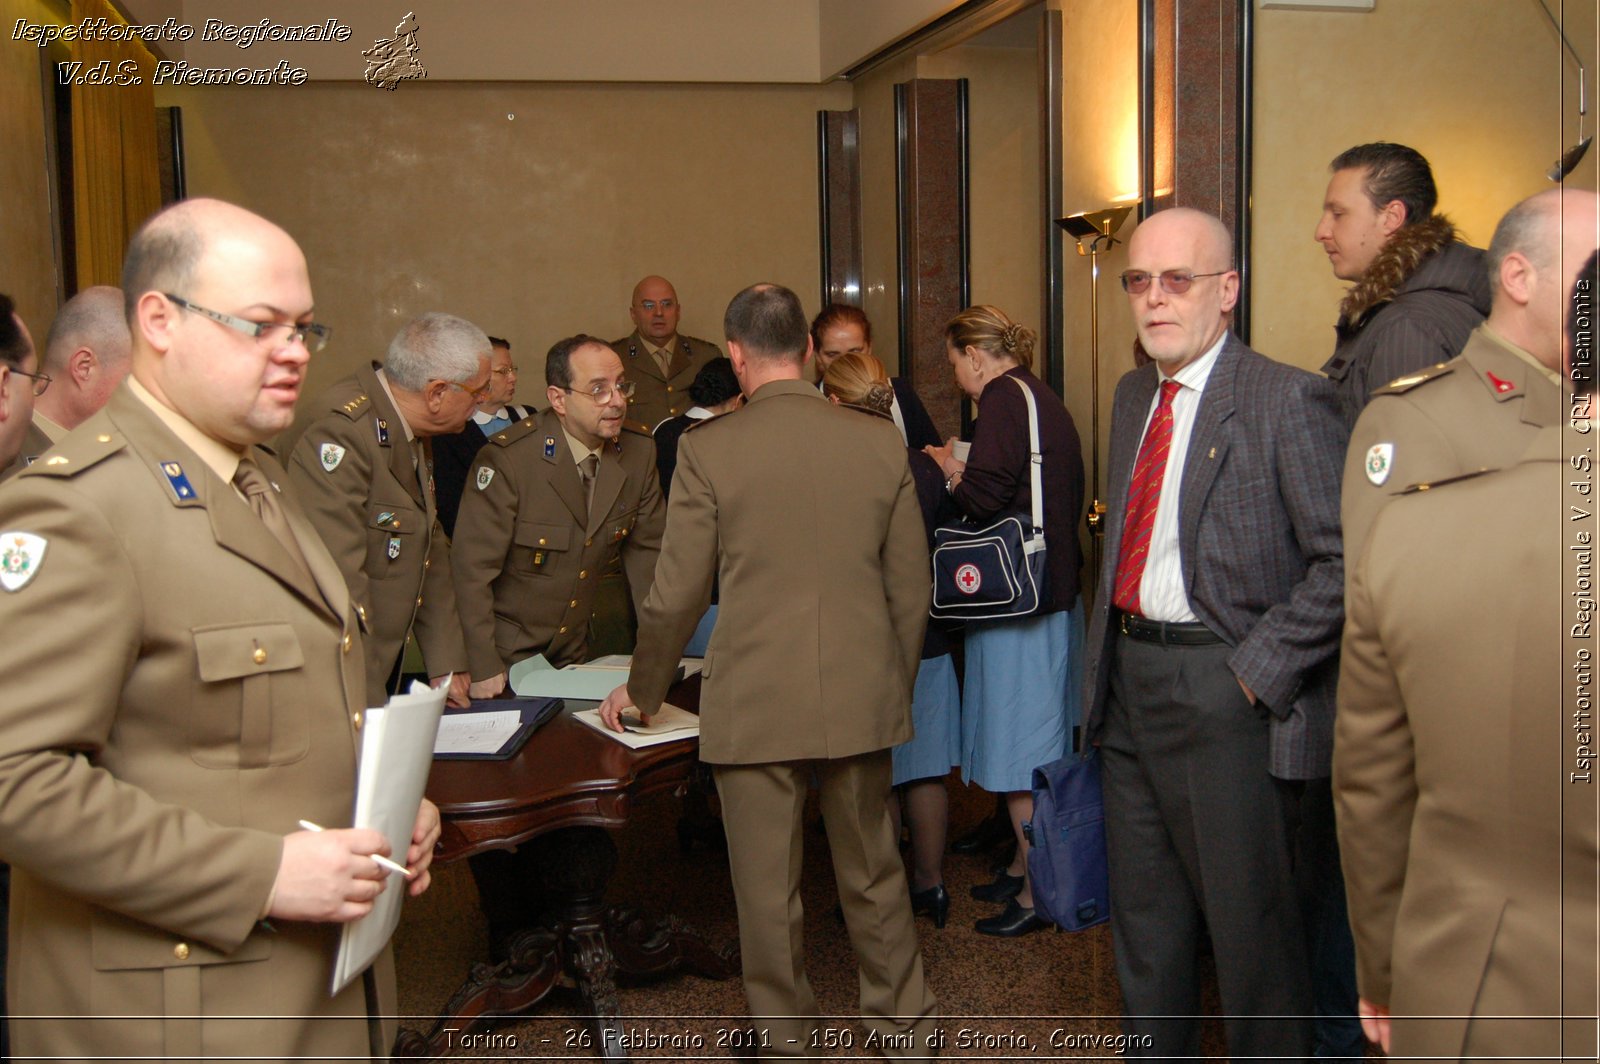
point(1168, 633)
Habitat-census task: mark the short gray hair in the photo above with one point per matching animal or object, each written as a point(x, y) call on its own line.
point(93, 318)
point(435, 346)
point(1529, 229)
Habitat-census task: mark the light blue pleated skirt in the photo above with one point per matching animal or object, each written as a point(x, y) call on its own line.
point(935, 748)
point(1021, 697)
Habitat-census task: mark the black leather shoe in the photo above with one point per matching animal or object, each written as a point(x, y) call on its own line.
point(1013, 922)
point(935, 901)
point(986, 836)
point(1004, 888)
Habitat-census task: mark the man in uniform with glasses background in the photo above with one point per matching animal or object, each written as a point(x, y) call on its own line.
point(552, 503)
point(363, 471)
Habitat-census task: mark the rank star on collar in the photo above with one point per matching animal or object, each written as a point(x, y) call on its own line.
point(20, 556)
point(331, 454)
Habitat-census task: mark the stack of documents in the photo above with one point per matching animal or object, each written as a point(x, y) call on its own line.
point(592, 681)
point(669, 724)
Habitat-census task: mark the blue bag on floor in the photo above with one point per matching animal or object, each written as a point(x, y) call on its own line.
point(1067, 862)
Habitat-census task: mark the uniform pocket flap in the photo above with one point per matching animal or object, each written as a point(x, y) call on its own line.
point(543, 537)
point(231, 651)
point(120, 942)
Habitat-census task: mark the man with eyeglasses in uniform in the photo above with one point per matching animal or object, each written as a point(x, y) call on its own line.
point(364, 472)
point(553, 502)
point(184, 684)
point(20, 382)
point(454, 453)
point(1212, 650)
point(660, 363)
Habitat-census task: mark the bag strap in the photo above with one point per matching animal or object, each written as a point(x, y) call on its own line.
point(1035, 456)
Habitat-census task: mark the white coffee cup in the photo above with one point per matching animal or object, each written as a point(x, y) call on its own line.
point(961, 449)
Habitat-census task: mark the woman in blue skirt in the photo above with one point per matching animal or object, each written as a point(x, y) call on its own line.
point(858, 381)
point(1020, 698)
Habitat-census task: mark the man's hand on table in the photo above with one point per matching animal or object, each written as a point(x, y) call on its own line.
point(616, 703)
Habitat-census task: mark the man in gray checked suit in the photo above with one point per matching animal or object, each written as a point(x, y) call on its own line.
point(1212, 651)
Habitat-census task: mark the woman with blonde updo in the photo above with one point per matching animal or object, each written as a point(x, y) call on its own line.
point(1021, 689)
point(858, 381)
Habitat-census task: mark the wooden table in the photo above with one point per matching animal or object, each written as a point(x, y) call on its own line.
point(569, 786)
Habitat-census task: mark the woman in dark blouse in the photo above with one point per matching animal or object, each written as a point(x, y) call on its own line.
point(1020, 698)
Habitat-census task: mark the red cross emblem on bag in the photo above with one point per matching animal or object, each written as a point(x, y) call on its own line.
point(968, 579)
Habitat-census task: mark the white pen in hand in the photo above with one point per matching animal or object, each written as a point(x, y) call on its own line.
point(393, 866)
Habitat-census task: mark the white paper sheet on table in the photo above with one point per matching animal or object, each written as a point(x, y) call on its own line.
point(476, 733)
point(669, 724)
point(396, 756)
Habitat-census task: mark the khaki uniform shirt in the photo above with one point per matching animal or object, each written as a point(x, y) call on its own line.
point(356, 475)
point(1478, 411)
point(528, 552)
point(178, 694)
point(656, 395)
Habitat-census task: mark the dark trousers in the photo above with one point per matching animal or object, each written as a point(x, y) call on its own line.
point(1197, 833)
point(1319, 878)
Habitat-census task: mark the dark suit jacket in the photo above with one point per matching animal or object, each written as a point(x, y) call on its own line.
point(1259, 536)
point(920, 430)
point(453, 456)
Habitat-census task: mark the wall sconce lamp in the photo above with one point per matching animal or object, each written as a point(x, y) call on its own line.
point(1572, 156)
point(1098, 228)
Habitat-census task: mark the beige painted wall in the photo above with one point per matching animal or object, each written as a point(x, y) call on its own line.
point(535, 226)
point(1100, 167)
point(28, 264)
point(1475, 85)
point(851, 30)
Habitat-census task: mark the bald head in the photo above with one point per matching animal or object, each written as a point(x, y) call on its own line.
point(655, 310)
point(207, 284)
point(1177, 327)
point(86, 355)
point(1533, 260)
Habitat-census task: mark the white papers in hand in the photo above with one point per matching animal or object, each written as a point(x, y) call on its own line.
point(396, 755)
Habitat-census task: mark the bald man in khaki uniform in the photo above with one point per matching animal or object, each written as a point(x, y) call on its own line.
point(823, 568)
point(660, 363)
point(183, 684)
point(1482, 409)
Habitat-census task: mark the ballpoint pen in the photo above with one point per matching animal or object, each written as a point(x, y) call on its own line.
point(393, 866)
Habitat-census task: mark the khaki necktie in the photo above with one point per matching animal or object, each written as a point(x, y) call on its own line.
point(263, 499)
point(587, 470)
point(664, 359)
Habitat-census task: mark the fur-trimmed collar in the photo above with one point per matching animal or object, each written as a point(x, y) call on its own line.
point(1396, 261)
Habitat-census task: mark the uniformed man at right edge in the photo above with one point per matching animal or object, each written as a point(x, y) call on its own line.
point(1481, 409)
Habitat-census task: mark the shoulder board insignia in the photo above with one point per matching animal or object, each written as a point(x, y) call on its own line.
point(512, 433)
point(1404, 384)
point(73, 455)
point(354, 407)
point(1416, 489)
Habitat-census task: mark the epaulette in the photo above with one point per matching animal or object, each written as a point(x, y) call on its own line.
point(1415, 489)
point(74, 454)
point(355, 407)
point(636, 427)
point(1401, 385)
point(512, 433)
point(705, 421)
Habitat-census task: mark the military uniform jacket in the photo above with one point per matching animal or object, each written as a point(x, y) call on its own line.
point(1478, 411)
point(34, 443)
point(526, 558)
point(656, 395)
point(175, 700)
point(354, 473)
point(823, 567)
point(1469, 854)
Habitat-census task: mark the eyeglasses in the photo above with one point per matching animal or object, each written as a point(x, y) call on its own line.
point(313, 334)
point(41, 381)
point(652, 304)
point(478, 394)
point(1173, 282)
point(601, 393)
point(505, 371)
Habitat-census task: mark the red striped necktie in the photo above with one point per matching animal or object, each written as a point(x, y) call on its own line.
point(1143, 493)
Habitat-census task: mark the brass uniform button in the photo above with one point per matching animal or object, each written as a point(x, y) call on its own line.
point(572, 605)
point(259, 657)
point(562, 631)
point(103, 438)
point(543, 542)
point(588, 543)
point(583, 574)
point(419, 600)
point(181, 951)
point(355, 719)
point(344, 644)
point(427, 562)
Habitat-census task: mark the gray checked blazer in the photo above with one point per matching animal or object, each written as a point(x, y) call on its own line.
point(1258, 531)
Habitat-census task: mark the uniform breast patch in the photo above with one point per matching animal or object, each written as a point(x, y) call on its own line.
point(20, 555)
point(330, 454)
point(1380, 462)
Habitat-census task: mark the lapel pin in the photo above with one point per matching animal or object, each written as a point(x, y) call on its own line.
point(549, 446)
point(177, 481)
point(383, 432)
